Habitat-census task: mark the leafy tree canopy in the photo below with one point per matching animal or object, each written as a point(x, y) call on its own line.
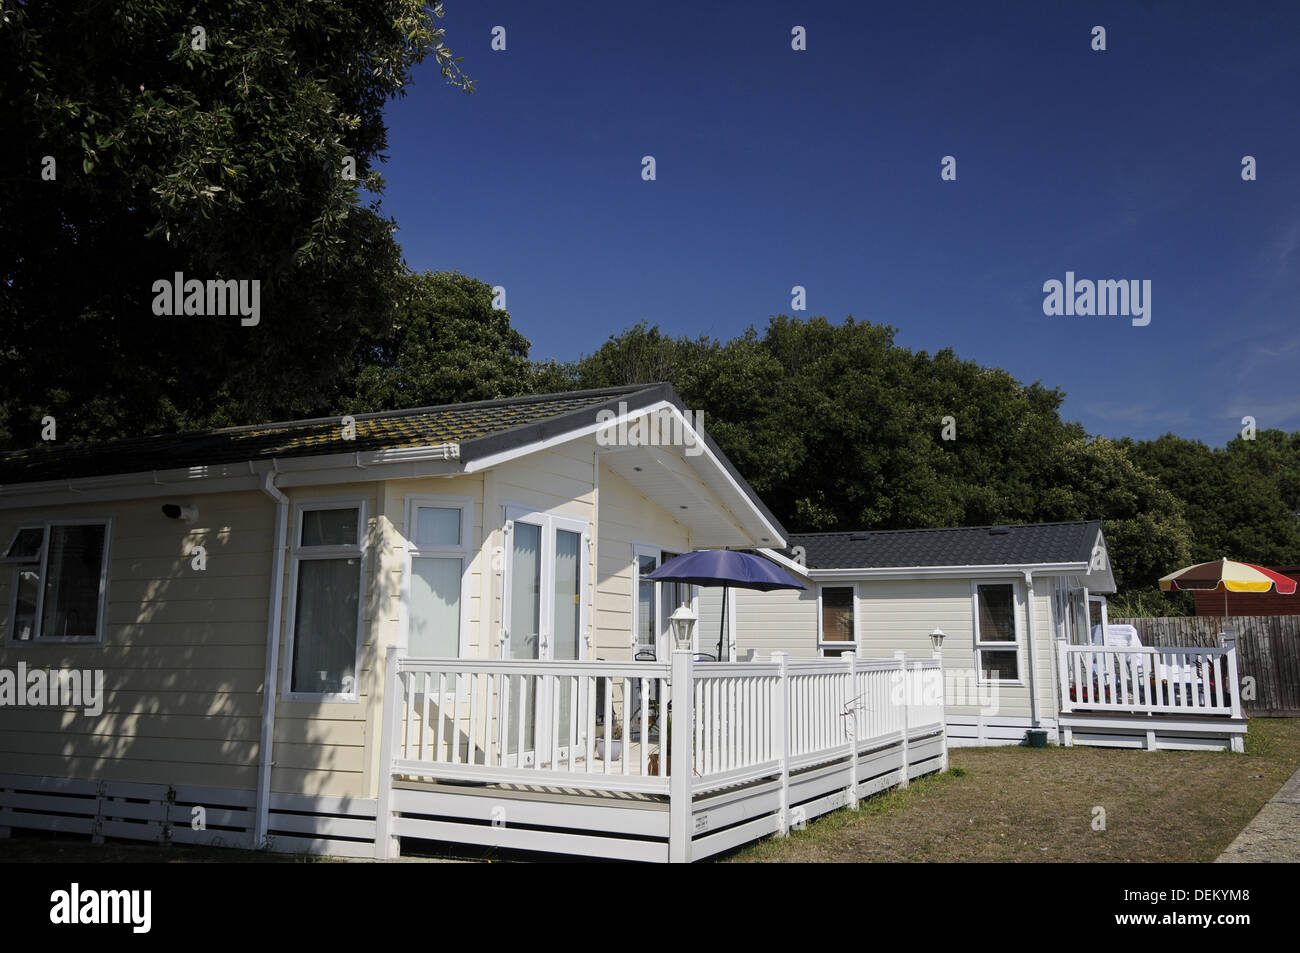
point(447, 345)
point(840, 428)
point(215, 139)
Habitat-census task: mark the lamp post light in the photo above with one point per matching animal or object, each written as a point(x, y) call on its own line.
point(683, 623)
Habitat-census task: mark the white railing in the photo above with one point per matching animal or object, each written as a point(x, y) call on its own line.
point(596, 727)
point(606, 725)
point(581, 724)
point(1184, 680)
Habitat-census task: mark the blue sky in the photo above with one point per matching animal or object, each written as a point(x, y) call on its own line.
point(821, 168)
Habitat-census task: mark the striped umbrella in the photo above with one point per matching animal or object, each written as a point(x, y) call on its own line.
point(1227, 576)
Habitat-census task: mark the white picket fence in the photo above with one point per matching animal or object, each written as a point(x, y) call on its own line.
point(1182, 680)
point(615, 729)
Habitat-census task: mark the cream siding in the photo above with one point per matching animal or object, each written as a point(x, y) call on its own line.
point(626, 518)
point(183, 652)
point(893, 615)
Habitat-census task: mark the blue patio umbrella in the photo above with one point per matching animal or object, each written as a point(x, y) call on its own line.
point(726, 568)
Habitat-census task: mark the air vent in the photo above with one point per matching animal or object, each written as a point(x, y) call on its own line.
point(999, 530)
point(859, 537)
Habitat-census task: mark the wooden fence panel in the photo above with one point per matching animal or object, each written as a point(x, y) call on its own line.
point(1268, 650)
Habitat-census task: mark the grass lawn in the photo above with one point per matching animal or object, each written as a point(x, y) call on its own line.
point(1025, 804)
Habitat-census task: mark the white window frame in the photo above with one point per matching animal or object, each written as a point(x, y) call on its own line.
point(1017, 616)
point(665, 630)
point(464, 552)
point(822, 644)
point(102, 610)
point(297, 554)
point(550, 521)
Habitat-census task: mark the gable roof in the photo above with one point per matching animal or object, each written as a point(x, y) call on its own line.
point(476, 428)
point(460, 438)
point(1020, 545)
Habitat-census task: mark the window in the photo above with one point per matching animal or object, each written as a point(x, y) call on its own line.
point(436, 600)
point(997, 635)
point(655, 604)
point(60, 579)
point(835, 633)
point(328, 581)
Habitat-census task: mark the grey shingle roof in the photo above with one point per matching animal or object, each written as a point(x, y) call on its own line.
point(480, 427)
point(963, 546)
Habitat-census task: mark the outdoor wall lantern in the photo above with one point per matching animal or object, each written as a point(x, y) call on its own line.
point(683, 622)
point(936, 639)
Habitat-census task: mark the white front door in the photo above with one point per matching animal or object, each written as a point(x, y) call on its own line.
point(544, 612)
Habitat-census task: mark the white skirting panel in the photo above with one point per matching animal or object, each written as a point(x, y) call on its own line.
point(1153, 732)
point(626, 827)
point(965, 731)
point(185, 814)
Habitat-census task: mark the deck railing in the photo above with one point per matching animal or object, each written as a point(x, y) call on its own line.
point(1183, 680)
point(497, 720)
point(626, 727)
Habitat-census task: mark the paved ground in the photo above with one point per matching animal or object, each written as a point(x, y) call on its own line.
point(1274, 835)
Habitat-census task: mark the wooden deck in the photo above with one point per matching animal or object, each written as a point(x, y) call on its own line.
point(766, 746)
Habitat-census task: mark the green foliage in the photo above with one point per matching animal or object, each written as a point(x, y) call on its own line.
point(1150, 603)
point(220, 162)
point(447, 345)
point(839, 428)
point(1243, 500)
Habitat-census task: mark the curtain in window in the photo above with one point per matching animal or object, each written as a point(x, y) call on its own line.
point(997, 613)
point(837, 614)
point(525, 622)
point(437, 526)
point(435, 607)
point(73, 568)
point(646, 629)
point(325, 626)
point(329, 527)
point(28, 582)
point(566, 594)
point(567, 618)
point(525, 590)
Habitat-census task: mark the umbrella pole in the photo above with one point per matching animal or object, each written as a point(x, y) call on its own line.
point(722, 625)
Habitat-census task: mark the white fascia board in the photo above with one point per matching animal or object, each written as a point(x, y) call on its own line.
point(353, 467)
point(786, 562)
point(586, 430)
point(924, 572)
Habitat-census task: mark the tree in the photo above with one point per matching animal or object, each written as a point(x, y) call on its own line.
point(447, 345)
point(1243, 501)
point(1146, 530)
point(221, 140)
point(839, 428)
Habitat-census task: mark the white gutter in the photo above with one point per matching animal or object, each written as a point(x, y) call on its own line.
point(921, 572)
point(1034, 706)
point(272, 661)
point(397, 463)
